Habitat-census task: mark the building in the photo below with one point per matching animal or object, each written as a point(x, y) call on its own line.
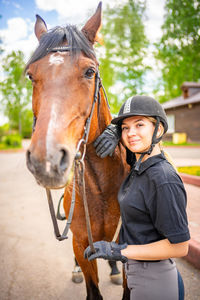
point(183, 113)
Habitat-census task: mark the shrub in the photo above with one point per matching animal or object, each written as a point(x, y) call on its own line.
point(4, 130)
point(12, 141)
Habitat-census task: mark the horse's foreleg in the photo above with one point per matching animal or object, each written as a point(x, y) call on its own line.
point(90, 272)
point(115, 275)
point(77, 274)
point(114, 268)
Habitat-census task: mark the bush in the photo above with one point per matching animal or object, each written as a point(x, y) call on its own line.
point(4, 130)
point(12, 141)
point(27, 122)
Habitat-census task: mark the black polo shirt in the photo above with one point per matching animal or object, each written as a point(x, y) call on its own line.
point(153, 204)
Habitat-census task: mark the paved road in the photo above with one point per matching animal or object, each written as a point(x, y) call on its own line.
point(33, 265)
point(184, 152)
point(185, 156)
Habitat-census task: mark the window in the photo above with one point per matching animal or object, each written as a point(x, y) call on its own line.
point(171, 123)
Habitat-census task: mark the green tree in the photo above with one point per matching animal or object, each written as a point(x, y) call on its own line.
point(178, 49)
point(121, 63)
point(15, 89)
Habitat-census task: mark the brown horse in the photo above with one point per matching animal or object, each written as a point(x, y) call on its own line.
point(63, 71)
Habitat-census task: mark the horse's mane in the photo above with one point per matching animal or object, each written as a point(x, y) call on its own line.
point(76, 41)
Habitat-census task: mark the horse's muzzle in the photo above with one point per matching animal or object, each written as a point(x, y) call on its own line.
point(51, 171)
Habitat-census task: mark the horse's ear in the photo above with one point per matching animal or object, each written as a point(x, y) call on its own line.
point(40, 27)
point(93, 25)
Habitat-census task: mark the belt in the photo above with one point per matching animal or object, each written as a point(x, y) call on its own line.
point(147, 261)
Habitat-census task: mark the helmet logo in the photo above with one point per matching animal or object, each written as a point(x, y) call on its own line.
point(127, 106)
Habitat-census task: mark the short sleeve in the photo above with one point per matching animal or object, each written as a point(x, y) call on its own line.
point(168, 212)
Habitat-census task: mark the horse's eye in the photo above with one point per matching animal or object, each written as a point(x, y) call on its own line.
point(90, 73)
point(30, 77)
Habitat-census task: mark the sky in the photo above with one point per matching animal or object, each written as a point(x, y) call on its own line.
point(18, 19)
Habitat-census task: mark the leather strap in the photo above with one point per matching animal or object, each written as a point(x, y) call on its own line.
point(87, 216)
point(64, 236)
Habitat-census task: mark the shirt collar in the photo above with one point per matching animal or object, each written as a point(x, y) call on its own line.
point(150, 162)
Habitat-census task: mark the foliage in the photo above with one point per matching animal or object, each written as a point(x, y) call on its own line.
point(178, 49)
point(15, 89)
point(27, 123)
point(191, 170)
point(125, 45)
point(4, 130)
point(11, 141)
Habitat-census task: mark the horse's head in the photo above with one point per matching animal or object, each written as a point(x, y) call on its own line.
point(62, 70)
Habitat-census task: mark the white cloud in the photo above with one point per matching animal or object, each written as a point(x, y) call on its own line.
point(73, 11)
point(17, 36)
point(17, 5)
point(69, 11)
point(16, 30)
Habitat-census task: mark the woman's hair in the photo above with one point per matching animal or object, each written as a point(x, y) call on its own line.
point(167, 155)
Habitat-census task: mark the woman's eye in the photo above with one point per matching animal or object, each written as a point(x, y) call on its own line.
point(90, 73)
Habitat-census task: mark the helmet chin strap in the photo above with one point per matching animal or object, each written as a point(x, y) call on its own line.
point(154, 141)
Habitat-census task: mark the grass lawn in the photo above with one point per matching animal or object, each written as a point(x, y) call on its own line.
point(193, 170)
point(166, 143)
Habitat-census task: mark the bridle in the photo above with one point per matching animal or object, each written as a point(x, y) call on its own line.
point(79, 166)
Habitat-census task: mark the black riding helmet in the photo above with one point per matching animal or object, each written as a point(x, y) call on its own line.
point(143, 106)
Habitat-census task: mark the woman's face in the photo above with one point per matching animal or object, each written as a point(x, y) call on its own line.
point(137, 132)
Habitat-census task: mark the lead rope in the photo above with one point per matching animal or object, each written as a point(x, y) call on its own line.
point(64, 236)
point(87, 216)
point(117, 230)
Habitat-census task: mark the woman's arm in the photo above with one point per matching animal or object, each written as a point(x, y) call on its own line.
point(156, 251)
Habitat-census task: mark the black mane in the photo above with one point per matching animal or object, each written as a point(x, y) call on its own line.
point(76, 41)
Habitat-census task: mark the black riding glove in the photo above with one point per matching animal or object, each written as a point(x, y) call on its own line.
point(106, 250)
point(106, 143)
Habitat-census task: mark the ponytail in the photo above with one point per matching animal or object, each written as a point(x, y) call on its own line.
point(168, 157)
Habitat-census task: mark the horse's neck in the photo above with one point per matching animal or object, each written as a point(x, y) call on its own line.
point(105, 173)
point(103, 113)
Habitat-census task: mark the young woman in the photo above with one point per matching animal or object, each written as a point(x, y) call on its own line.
point(152, 203)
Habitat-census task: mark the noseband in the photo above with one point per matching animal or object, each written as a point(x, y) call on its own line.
point(78, 164)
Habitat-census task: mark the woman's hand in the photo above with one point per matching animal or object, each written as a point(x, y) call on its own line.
point(106, 250)
point(106, 143)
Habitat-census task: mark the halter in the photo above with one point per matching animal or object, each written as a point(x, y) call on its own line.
point(78, 165)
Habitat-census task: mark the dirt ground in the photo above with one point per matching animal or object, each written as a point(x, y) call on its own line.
point(33, 264)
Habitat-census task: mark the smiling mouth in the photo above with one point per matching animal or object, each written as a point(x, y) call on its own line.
point(134, 142)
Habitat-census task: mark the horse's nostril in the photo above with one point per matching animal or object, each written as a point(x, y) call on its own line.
point(29, 161)
point(64, 160)
point(28, 157)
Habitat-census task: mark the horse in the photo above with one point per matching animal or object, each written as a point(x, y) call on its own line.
point(65, 78)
